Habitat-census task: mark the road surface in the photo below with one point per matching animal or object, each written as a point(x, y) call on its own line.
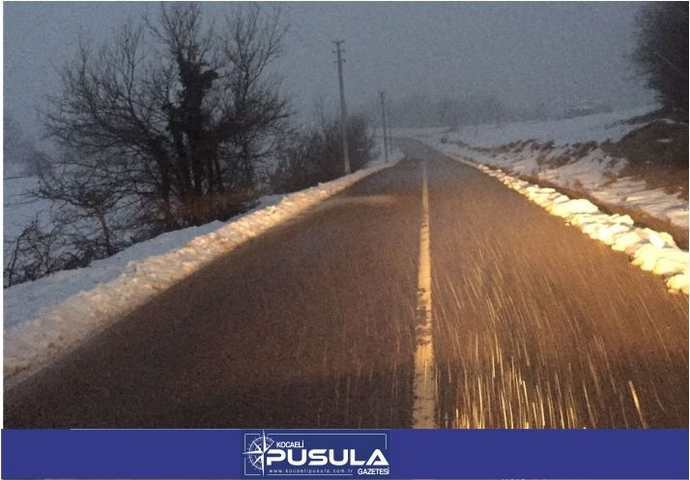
point(342, 317)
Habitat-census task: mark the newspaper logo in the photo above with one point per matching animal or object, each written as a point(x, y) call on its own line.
point(309, 454)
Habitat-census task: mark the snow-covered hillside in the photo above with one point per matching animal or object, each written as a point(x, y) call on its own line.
point(590, 128)
point(595, 173)
point(588, 169)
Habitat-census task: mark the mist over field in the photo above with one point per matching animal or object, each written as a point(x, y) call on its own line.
point(528, 56)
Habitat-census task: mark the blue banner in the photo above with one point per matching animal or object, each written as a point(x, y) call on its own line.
point(345, 453)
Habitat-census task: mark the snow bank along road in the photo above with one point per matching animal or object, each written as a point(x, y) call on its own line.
point(318, 322)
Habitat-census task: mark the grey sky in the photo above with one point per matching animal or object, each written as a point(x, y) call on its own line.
point(523, 53)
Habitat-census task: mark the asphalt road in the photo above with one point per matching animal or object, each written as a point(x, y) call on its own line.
point(314, 324)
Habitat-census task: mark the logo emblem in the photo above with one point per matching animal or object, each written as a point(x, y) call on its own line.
point(256, 453)
point(315, 454)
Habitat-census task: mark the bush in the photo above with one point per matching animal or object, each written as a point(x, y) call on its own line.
point(38, 252)
point(315, 155)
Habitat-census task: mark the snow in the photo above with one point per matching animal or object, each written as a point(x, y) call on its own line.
point(596, 173)
point(21, 207)
point(571, 207)
point(47, 317)
point(598, 128)
point(652, 251)
point(592, 171)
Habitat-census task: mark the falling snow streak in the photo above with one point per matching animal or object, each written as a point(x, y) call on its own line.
point(538, 326)
point(650, 250)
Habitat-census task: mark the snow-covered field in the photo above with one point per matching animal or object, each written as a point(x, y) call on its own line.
point(595, 173)
point(46, 317)
point(597, 128)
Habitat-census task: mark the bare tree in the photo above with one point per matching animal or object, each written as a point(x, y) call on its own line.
point(662, 52)
point(38, 251)
point(175, 111)
point(84, 197)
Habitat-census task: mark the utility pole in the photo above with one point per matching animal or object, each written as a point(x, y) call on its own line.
point(343, 107)
point(382, 94)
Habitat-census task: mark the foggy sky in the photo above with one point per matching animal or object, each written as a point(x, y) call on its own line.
point(525, 54)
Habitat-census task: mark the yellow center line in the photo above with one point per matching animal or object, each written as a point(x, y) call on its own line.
point(424, 407)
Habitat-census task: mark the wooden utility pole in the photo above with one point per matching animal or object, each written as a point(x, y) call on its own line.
point(382, 94)
point(343, 107)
